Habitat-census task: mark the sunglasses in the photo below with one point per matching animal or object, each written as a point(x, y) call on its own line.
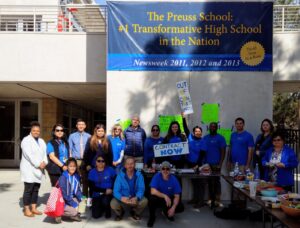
point(59, 130)
point(167, 169)
point(101, 161)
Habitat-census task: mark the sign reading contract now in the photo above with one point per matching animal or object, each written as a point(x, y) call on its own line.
point(171, 149)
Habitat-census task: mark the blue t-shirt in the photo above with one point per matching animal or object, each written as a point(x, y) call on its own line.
point(195, 146)
point(239, 143)
point(169, 187)
point(117, 145)
point(103, 179)
point(148, 148)
point(62, 151)
point(175, 139)
point(214, 145)
point(131, 184)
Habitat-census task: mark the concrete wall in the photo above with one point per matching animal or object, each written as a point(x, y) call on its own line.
point(286, 56)
point(52, 57)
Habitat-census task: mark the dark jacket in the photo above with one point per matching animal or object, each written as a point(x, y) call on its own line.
point(135, 139)
point(65, 185)
point(90, 155)
point(51, 167)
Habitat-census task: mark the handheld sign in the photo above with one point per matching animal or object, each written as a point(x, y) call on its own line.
point(184, 97)
point(171, 149)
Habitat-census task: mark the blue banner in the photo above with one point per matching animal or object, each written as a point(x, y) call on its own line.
point(190, 36)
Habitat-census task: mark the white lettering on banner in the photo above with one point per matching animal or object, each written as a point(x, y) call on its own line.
point(171, 149)
point(184, 97)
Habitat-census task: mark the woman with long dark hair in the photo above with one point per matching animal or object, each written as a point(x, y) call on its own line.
point(174, 135)
point(97, 145)
point(263, 143)
point(58, 153)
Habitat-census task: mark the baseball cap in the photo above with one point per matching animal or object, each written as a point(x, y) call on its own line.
point(165, 164)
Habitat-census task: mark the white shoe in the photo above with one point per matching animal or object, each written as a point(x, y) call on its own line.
point(89, 202)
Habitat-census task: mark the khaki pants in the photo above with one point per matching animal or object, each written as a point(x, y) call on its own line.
point(70, 211)
point(118, 207)
point(84, 177)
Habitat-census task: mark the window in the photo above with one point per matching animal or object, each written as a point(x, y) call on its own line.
point(20, 23)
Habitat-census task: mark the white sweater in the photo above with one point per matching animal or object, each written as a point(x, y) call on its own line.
point(33, 154)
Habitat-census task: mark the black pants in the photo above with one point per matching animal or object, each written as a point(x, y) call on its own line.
point(54, 179)
point(155, 202)
point(101, 204)
point(198, 186)
point(31, 192)
point(214, 188)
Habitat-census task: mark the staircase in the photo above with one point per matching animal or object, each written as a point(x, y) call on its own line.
point(90, 19)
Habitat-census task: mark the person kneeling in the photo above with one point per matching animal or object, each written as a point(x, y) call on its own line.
point(165, 193)
point(101, 181)
point(129, 191)
point(69, 182)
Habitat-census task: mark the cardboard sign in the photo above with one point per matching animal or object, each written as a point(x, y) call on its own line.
point(171, 149)
point(165, 121)
point(226, 133)
point(184, 97)
point(125, 123)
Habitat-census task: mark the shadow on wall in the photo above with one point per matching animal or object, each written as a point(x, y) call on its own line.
point(287, 60)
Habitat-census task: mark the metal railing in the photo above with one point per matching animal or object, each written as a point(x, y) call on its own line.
point(93, 18)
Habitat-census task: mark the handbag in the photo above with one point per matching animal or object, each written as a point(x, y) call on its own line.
point(55, 204)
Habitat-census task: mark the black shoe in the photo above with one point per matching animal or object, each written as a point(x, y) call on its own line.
point(150, 222)
point(58, 220)
point(118, 218)
point(75, 218)
point(108, 215)
point(172, 219)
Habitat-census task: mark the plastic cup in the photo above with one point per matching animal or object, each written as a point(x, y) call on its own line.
point(252, 186)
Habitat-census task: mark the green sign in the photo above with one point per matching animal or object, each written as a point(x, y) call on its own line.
point(226, 133)
point(125, 123)
point(210, 113)
point(164, 122)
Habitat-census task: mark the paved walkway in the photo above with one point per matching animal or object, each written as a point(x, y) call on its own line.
point(11, 190)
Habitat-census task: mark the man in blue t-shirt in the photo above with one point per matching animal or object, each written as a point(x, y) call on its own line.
point(165, 193)
point(241, 146)
point(214, 156)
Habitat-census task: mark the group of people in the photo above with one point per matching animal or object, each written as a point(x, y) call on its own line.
point(103, 165)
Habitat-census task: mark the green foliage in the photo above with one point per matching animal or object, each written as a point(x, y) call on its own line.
point(285, 109)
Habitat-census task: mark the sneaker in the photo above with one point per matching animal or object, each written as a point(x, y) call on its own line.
point(89, 202)
point(208, 203)
point(219, 204)
point(136, 217)
point(150, 222)
point(75, 218)
point(57, 220)
point(118, 218)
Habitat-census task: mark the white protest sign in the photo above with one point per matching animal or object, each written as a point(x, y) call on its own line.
point(171, 149)
point(184, 97)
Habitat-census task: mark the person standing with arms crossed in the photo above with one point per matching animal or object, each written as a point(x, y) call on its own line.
point(77, 143)
point(135, 137)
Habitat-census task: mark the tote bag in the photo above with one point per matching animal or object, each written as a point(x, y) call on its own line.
point(55, 204)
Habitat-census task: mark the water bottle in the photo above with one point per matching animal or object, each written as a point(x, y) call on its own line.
point(256, 172)
point(236, 169)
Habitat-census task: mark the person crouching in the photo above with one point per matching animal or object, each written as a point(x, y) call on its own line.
point(165, 194)
point(69, 182)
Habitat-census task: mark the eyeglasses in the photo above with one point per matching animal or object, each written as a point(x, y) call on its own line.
point(166, 169)
point(277, 140)
point(101, 161)
point(59, 130)
point(154, 130)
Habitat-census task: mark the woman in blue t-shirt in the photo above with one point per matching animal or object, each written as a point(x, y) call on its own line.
point(118, 146)
point(101, 181)
point(58, 153)
point(154, 139)
point(174, 135)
